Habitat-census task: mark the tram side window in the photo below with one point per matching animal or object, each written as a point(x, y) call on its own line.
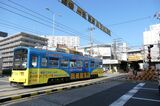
point(73, 63)
point(44, 62)
point(97, 65)
point(92, 64)
point(64, 63)
point(34, 61)
point(100, 64)
point(53, 62)
point(79, 63)
point(86, 64)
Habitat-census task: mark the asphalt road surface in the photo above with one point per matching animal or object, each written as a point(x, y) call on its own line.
point(112, 92)
point(4, 81)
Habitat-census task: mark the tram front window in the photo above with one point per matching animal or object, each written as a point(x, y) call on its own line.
point(20, 59)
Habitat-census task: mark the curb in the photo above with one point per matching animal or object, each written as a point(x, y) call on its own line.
point(10, 98)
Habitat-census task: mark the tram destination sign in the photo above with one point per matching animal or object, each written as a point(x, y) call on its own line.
point(3, 34)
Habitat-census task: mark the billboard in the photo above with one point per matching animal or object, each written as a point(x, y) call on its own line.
point(135, 57)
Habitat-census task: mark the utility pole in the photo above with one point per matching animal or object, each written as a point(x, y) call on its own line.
point(117, 48)
point(91, 39)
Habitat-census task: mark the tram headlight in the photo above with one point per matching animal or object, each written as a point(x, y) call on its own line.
point(22, 74)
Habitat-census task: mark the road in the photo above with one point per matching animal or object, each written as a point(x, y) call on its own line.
point(111, 92)
point(4, 81)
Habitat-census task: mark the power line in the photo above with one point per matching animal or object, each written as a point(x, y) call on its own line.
point(24, 12)
point(130, 21)
point(20, 26)
point(29, 9)
point(50, 20)
point(32, 20)
point(25, 17)
point(14, 27)
point(62, 26)
point(56, 23)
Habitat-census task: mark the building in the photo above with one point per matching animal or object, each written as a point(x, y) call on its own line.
point(69, 41)
point(3, 34)
point(104, 52)
point(0, 65)
point(8, 44)
point(152, 37)
point(135, 58)
point(119, 50)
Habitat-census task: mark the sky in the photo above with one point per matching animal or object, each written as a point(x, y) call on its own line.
point(127, 19)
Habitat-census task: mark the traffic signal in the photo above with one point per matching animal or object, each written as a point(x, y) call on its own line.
point(149, 53)
point(150, 46)
point(149, 56)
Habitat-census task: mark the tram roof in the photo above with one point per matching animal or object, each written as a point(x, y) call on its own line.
point(44, 51)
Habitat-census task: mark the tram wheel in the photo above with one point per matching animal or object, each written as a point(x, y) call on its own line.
point(17, 85)
point(50, 81)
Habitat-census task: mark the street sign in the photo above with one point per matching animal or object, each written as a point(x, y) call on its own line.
point(74, 7)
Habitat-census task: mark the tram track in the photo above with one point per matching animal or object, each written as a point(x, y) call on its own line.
point(12, 91)
point(27, 92)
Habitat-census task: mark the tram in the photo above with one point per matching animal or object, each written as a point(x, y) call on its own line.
point(32, 66)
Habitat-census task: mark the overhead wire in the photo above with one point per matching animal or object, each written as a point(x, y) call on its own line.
point(15, 27)
point(56, 23)
point(130, 21)
point(21, 26)
point(35, 20)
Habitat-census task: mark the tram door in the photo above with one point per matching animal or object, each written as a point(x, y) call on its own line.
point(43, 70)
point(86, 68)
point(33, 71)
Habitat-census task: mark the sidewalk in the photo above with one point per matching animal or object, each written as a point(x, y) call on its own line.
point(115, 74)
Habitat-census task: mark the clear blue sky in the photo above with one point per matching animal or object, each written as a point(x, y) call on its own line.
point(108, 12)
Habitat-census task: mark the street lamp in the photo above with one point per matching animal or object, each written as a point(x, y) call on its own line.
point(54, 15)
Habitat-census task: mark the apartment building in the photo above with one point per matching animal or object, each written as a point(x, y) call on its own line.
point(152, 37)
point(69, 41)
point(8, 44)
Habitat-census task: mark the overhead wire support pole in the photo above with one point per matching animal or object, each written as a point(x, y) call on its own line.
point(91, 39)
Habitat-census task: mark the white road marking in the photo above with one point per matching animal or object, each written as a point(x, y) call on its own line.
point(150, 89)
point(123, 99)
point(153, 100)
